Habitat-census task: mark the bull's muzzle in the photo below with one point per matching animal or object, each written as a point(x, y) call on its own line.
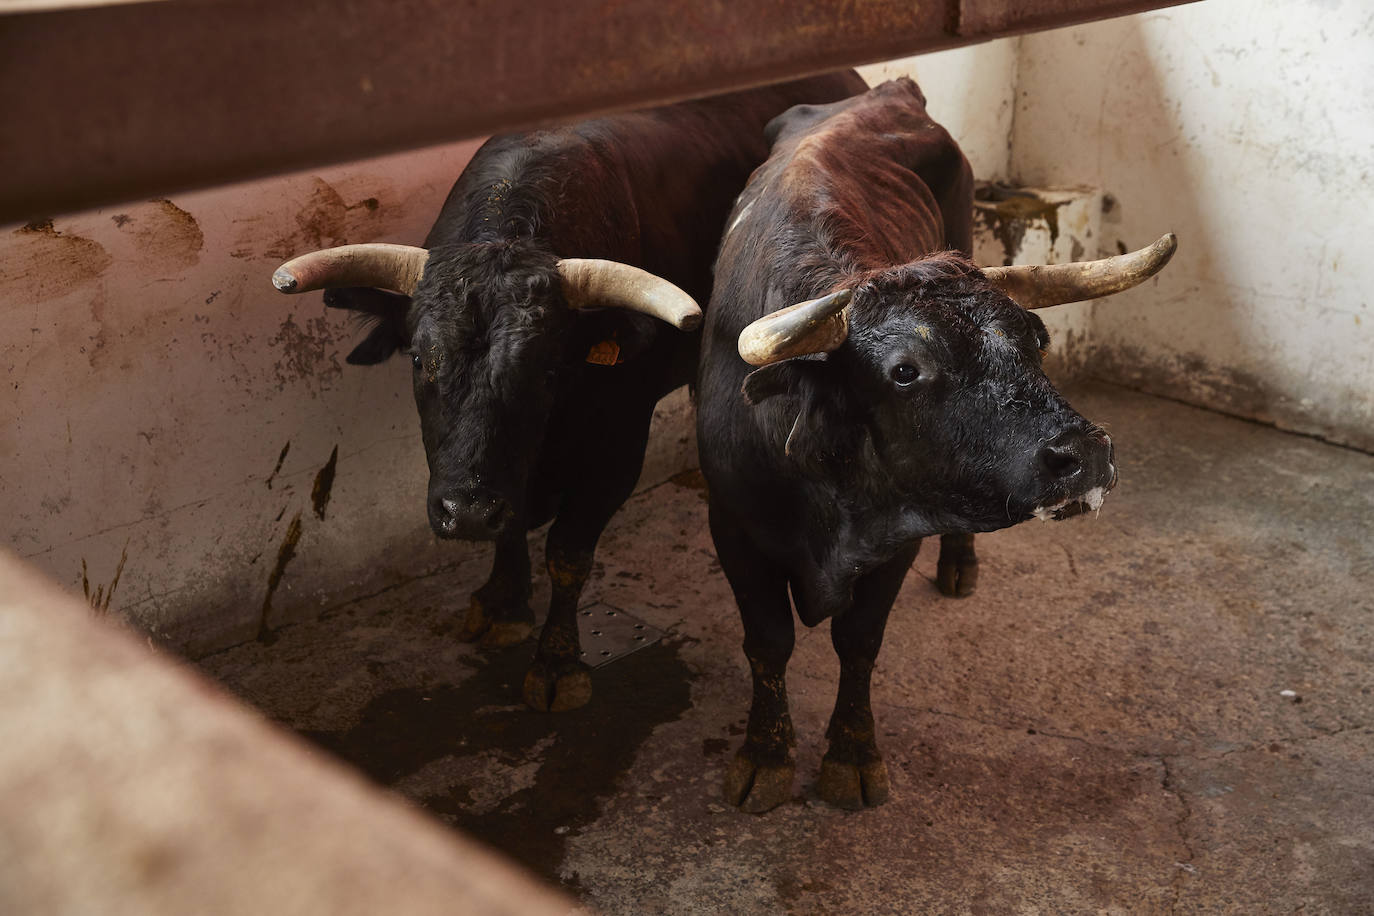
point(1076, 469)
point(469, 513)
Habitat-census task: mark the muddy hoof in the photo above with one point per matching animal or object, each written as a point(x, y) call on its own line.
point(557, 688)
point(758, 788)
point(503, 633)
point(495, 631)
point(476, 623)
point(958, 579)
point(845, 785)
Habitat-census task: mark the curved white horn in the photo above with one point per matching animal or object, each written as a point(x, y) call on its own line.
point(814, 326)
point(594, 283)
point(379, 265)
point(1037, 286)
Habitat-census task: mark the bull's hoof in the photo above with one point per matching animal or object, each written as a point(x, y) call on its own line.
point(757, 788)
point(476, 623)
point(503, 633)
point(845, 785)
point(558, 687)
point(495, 632)
point(956, 579)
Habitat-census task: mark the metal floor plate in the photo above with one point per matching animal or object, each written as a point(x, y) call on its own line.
point(609, 633)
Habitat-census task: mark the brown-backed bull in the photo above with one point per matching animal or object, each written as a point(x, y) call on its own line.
point(551, 306)
point(900, 397)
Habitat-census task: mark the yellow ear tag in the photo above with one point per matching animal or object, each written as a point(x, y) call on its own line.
point(606, 353)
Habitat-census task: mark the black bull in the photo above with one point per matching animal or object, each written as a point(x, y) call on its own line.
point(902, 398)
point(531, 408)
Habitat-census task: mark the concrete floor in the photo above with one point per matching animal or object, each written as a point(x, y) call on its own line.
point(1102, 728)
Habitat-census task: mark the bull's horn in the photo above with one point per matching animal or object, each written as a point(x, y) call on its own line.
point(382, 266)
point(1036, 286)
point(814, 326)
point(593, 283)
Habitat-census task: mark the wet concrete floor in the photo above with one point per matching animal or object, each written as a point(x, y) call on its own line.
point(1167, 708)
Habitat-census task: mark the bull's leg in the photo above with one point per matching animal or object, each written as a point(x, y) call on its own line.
point(956, 575)
point(499, 612)
point(760, 776)
point(557, 679)
point(853, 773)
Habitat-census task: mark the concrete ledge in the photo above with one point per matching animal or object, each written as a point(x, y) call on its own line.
point(130, 785)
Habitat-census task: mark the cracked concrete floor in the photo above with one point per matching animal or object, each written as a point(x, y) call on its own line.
point(1102, 728)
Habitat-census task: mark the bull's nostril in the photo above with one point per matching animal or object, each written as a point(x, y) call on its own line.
point(1059, 460)
point(450, 508)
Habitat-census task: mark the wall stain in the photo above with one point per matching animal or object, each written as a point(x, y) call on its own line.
point(95, 351)
point(285, 553)
point(325, 220)
point(100, 599)
point(1006, 213)
point(276, 470)
point(42, 263)
point(167, 237)
point(306, 352)
point(1194, 379)
point(324, 484)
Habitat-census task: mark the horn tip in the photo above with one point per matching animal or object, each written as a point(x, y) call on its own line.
point(689, 322)
point(284, 281)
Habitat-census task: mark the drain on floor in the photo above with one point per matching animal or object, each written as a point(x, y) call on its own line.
point(609, 633)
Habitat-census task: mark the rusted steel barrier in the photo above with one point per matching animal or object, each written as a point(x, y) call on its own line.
point(105, 103)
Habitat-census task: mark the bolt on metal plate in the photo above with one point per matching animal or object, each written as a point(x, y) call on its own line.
point(608, 633)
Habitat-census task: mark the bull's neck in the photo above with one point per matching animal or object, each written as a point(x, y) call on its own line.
point(855, 528)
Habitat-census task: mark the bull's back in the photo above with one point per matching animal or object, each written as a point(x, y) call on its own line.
point(857, 185)
point(650, 188)
point(686, 163)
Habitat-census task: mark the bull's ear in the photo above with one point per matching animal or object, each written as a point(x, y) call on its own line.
point(801, 118)
point(385, 311)
point(796, 376)
point(801, 379)
point(612, 336)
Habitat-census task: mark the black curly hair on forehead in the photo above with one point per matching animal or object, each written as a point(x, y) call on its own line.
point(950, 284)
point(475, 289)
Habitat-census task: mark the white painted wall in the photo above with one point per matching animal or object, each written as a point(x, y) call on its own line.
point(1246, 126)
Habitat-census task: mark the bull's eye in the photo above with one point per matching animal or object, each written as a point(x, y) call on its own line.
point(905, 374)
point(416, 361)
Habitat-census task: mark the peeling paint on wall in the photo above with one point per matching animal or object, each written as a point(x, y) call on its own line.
point(281, 457)
point(100, 599)
point(307, 353)
point(285, 554)
point(323, 487)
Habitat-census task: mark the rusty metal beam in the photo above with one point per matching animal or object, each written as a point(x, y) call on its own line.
point(115, 102)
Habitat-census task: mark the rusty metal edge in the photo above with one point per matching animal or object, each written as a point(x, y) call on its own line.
point(114, 103)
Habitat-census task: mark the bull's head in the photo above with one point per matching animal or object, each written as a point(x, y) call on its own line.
point(489, 330)
point(935, 366)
